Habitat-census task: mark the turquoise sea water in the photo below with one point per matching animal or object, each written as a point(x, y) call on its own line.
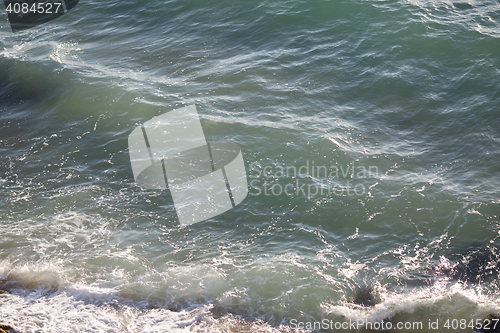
point(387, 110)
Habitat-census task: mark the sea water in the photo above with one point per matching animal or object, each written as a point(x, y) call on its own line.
point(370, 133)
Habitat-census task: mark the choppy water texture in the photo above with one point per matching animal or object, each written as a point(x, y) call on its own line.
point(409, 90)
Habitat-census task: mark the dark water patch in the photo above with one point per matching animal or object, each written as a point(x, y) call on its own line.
point(478, 265)
point(366, 296)
point(31, 80)
point(462, 5)
point(26, 90)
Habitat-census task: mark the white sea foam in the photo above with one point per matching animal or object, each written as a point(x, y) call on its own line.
point(70, 311)
point(66, 53)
